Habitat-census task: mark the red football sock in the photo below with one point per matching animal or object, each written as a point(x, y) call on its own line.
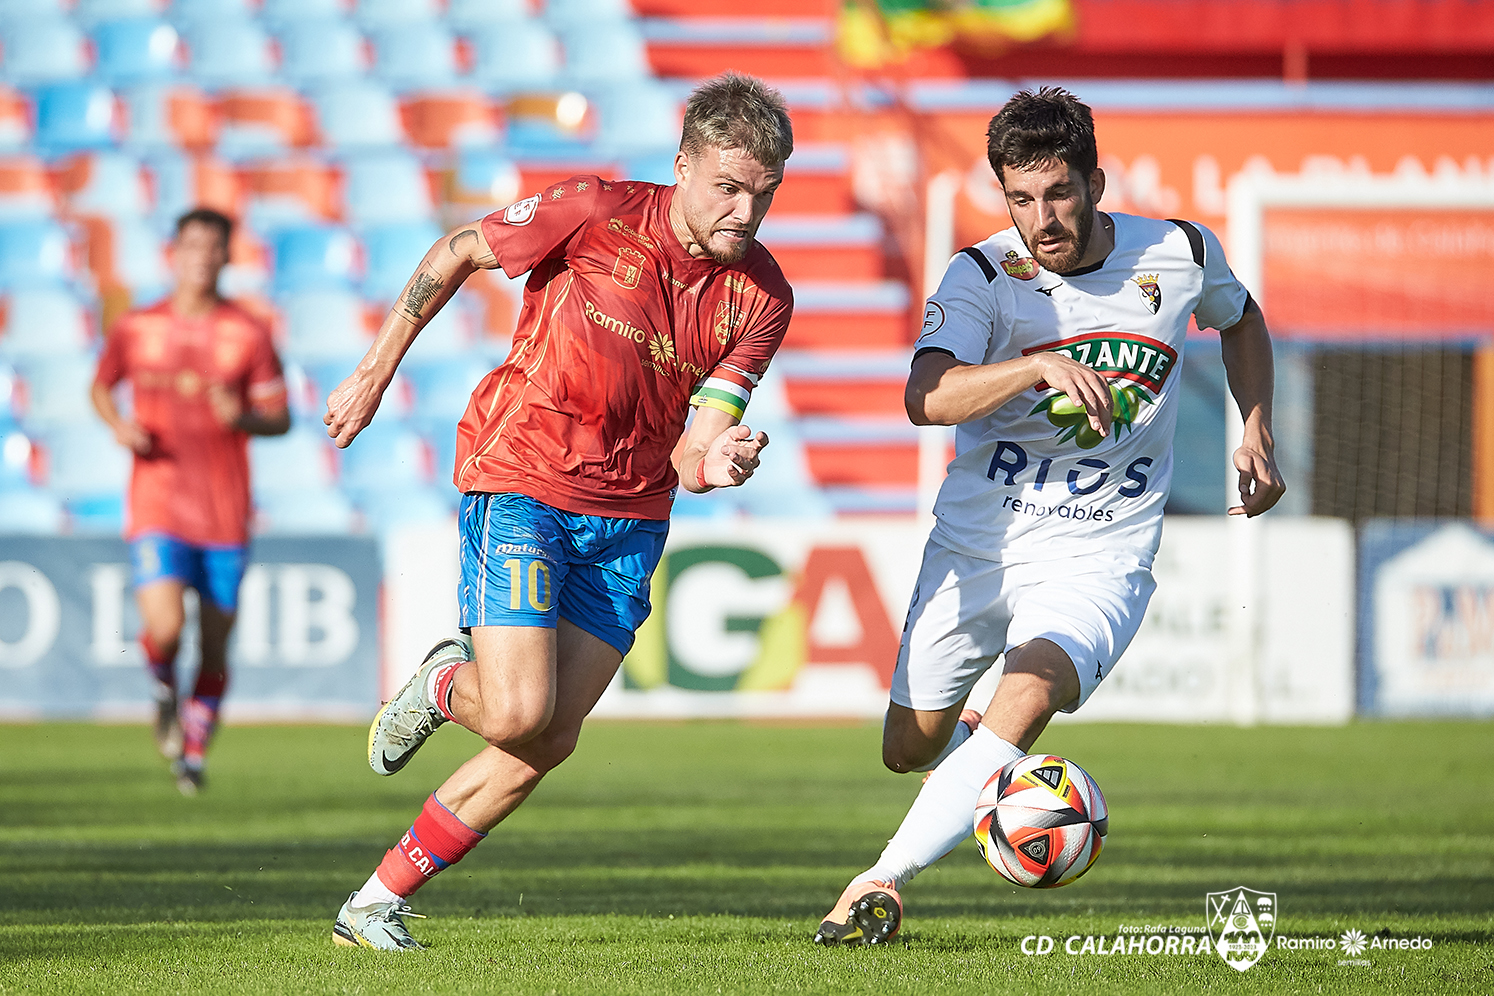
point(200, 714)
point(444, 678)
point(437, 839)
point(160, 661)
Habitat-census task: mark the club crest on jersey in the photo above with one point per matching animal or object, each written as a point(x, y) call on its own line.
point(521, 213)
point(629, 267)
point(1241, 924)
point(1151, 291)
point(728, 317)
point(1021, 267)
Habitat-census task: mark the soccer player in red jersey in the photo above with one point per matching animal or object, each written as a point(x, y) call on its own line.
point(642, 301)
point(204, 378)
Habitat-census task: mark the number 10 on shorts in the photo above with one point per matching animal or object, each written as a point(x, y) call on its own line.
point(538, 589)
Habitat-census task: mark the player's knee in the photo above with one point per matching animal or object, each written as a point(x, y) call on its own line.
point(550, 748)
point(903, 753)
point(509, 723)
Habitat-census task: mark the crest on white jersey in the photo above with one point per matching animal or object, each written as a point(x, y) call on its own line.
point(520, 213)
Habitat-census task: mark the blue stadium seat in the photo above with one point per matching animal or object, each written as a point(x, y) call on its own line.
point(383, 13)
point(638, 117)
point(324, 325)
point(135, 49)
point(11, 10)
point(229, 52)
point(115, 187)
point(563, 14)
point(385, 187)
point(140, 258)
point(388, 455)
point(415, 55)
point(321, 513)
point(44, 321)
point(313, 257)
point(392, 252)
point(321, 51)
point(100, 514)
point(83, 460)
point(44, 49)
point(90, 12)
point(33, 253)
point(196, 11)
point(302, 460)
point(57, 390)
point(358, 115)
point(30, 511)
point(393, 507)
point(603, 52)
point(16, 452)
point(469, 15)
point(515, 55)
point(283, 12)
point(442, 388)
point(74, 116)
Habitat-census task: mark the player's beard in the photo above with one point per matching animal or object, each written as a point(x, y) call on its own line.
point(1077, 243)
point(702, 234)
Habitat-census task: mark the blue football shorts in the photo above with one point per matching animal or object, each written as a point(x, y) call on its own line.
point(215, 571)
point(525, 563)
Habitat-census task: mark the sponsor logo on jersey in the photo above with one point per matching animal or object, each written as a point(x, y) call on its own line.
point(1118, 355)
point(728, 317)
point(615, 325)
point(661, 348)
point(1151, 291)
point(1021, 267)
point(618, 225)
point(629, 267)
point(933, 319)
point(521, 213)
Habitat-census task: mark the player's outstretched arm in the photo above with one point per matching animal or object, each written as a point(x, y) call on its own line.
point(128, 434)
point(716, 452)
point(945, 391)
point(450, 261)
point(1249, 366)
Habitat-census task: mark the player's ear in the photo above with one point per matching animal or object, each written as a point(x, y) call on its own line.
point(1097, 185)
point(681, 167)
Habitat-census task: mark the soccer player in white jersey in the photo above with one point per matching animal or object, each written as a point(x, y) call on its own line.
point(1055, 346)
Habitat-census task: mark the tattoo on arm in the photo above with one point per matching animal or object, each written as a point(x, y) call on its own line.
point(486, 259)
point(423, 289)
point(459, 238)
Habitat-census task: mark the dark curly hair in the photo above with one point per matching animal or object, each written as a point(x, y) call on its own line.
point(1035, 128)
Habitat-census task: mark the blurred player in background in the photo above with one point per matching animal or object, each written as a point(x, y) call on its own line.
point(642, 302)
point(204, 377)
point(1055, 347)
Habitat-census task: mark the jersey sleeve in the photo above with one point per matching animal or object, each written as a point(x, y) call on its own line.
point(1222, 302)
point(266, 380)
point(113, 358)
point(541, 226)
point(961, 318)
point(729, 386)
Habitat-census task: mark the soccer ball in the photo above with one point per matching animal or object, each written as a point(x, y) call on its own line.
point(1041, 821)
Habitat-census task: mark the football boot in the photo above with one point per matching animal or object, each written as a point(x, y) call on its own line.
point(408, 719)
point(380, 926)
point(867, 913)
point(168, 727)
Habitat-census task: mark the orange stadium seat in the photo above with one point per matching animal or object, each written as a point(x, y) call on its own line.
point(104, 183)
point(451, 119)
point(314, 186)
point(264, 120)
point(25, 187)
point(15, 119)
point(170, 114)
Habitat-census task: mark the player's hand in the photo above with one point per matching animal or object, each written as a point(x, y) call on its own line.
point(1261, 485)
point(1083, 386)
point(133, 438)
point(352, 405)
point(733, 456)
point(225, 405)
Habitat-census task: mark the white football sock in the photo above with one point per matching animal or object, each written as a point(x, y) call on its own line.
point(944, 812)
point(375, 892)
point(960, 735)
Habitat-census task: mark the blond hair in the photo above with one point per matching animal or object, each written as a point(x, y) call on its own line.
point(734, 111)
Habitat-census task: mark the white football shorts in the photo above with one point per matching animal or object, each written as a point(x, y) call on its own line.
point(967, 611)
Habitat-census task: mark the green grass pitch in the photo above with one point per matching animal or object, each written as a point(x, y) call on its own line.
point(698, 857)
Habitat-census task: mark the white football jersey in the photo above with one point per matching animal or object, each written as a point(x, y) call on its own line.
point(1031, 481)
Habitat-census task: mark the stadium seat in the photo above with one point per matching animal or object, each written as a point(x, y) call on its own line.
point(229, 51)
point(30, 511)
point(303, 459)
point(451, 119)
point(636, 117)
point(314, 257)
point(392, 252)
point(44, 49)
point(263, 121)
point(182, 182)
point(44, 321)
point(173, 115)
point(442, 388)
point(553, 127)
point(564, 14)
point(25, 188)
point(470, 15)
point(384, 13)
point(407, 506)
point(386, 187)
point(486, 178)
point(57, 390)
point(100, 514)
point(324, 325)
point(33, 252)
point(135, 49)
point(111, 184)
point(128, 253)
point(91, 12)
point(83, 460)
point(284, 12)
point(294, 189)
point(72, 116)
point(15, 119)
point(512, 56)
point(326, 512)
point(17, 464)
point(603, 52)
point(196, 11)
point(387, 455)
point(321, 51)
point(359, 115)
point(415, 55)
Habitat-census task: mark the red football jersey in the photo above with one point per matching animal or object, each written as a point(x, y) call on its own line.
point(194, 484)
point(621, 331)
